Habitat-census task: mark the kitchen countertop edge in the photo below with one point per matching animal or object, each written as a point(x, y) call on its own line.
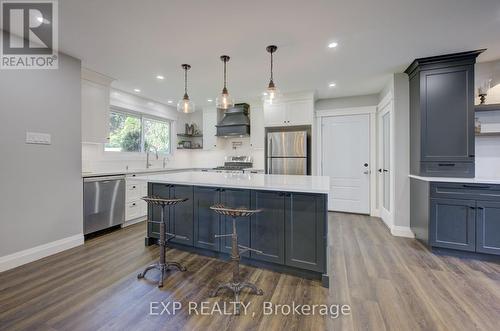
point(457, 180)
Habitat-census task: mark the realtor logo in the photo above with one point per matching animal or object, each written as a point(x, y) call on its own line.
point(29, 36)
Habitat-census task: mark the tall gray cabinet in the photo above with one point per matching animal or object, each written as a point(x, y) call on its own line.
point(442, 115)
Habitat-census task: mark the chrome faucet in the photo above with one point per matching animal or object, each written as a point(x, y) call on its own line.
point(148, 165)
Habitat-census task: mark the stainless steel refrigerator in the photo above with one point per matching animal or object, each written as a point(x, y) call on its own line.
point(287, 152)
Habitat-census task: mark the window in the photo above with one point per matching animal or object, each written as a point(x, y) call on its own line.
point(136, 133)
point(156, 135)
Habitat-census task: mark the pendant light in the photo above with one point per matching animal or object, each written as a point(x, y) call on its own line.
point(185, 105)
point(272, 94)
point(224, 100)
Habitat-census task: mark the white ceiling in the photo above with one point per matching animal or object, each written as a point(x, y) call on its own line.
point(133, 41)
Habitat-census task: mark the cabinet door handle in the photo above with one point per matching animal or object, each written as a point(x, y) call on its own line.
point(472, 207)
point(480, 208)
point(446, 164)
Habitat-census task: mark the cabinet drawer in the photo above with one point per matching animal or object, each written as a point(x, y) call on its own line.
point(135, 209)
point(489, 192)
point(447, 169)
point(134, 192)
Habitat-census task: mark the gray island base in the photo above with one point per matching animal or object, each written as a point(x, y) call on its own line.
point(291, 230)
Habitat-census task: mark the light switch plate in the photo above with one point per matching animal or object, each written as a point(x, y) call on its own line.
point(38, 138)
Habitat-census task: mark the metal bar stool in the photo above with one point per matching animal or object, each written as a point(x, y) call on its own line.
point(236, 284)
point(162, 265)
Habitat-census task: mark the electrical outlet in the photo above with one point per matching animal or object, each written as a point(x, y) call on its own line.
point(38, 138)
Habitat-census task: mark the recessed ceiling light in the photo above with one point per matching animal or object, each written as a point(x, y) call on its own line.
point(209, 100)
point(332, 85)
point(332, 45)
point(160, 77)
point(169, 101)
point(136, 90)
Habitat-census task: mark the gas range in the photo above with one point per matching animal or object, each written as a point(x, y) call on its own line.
point(235, 164)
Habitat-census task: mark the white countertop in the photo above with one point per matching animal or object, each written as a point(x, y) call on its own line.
point(458, 180)
point(133, 171)
point(288, 183)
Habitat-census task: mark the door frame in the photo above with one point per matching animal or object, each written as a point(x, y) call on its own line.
point(367, 110)
point(384, 107)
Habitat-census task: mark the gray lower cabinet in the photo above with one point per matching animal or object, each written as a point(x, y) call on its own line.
point(460, 216)
point(453, 224)
point(235, 198)
point(206, 221)
point(180, 217)
point(488, 227)
point(290, 230)
point(267, 232)
point(305, 231)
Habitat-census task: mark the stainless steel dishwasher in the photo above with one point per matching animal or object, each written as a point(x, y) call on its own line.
point(103, 202)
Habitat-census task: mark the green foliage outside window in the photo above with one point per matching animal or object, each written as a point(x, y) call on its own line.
point(127, 132)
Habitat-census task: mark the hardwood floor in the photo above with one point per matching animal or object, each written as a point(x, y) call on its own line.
point(390, 283)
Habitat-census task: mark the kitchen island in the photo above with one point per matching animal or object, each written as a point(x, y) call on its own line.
point(291, 230)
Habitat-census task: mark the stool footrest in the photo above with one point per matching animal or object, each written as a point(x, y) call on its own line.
point(223, 235)
point(173, 236)
point(245, 249)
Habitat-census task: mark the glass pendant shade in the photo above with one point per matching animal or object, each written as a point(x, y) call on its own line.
point(185, 106)
point(224, 100)
point(272, 93)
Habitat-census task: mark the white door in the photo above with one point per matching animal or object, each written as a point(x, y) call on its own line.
point(345, 148)
point(384, 167)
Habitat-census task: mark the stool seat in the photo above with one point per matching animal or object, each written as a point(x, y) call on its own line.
point(234, 212)
point(159, 201)
point(235, 285)
point(162, 265)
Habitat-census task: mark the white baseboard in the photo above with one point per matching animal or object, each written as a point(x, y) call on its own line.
point(32, 254)
point(402, 231)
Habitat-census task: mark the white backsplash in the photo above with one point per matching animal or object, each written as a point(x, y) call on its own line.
point(95, 159)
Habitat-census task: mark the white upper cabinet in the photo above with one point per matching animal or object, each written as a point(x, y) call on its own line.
point(95, 107)
point(209, 129)
point(256, 127)
point(300, 112)
point(289, 112)
point(275, 114)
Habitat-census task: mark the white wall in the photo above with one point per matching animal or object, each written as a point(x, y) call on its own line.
point(41, 185)
point(488, 148)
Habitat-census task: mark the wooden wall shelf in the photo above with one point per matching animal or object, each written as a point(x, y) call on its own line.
point(492, 107)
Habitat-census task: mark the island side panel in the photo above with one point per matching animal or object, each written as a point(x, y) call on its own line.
point(419, 209)
point(305, 231)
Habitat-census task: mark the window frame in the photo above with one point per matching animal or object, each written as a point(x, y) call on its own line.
point(142, 117)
